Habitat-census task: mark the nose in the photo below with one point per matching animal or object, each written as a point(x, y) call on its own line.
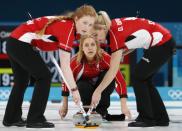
point(89, 47)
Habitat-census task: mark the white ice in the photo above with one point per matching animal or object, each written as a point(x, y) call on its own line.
point(174, 110)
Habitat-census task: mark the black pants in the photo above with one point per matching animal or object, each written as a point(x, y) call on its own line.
point(26, 62)
point(87, 88)
point(149, 103)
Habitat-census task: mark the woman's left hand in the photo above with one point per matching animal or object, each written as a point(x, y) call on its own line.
point(124, 108)
point(126, 111)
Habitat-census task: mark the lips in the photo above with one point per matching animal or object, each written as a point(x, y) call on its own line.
point(90, 52)
point(100, 40)
point(84, 31)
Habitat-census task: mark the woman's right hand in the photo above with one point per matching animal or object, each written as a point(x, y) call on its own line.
point(64, 108)
point(63, 111)
point(76, 97)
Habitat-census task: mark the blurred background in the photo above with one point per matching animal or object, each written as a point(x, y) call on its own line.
point(166, 12)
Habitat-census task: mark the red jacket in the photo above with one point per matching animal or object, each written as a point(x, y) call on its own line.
point(62, 32)
point(153, 33)
point(86, 70)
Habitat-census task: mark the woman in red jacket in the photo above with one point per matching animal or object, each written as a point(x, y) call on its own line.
point(89, 67)
point(128, 34)
point(48, 34)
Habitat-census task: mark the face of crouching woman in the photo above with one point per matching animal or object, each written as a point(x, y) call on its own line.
point(89, 49)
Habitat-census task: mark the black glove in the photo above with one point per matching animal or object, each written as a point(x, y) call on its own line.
point(120, 117)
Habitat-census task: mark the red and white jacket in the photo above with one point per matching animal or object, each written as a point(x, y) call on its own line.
point(63, 32)
point(146, 33)
point(93, 70)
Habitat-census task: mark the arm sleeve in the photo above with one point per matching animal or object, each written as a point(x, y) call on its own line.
point(66, 38)
point(121, 85)
point(116, 39)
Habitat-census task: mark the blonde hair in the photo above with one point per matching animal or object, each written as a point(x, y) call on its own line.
point(103, 19)
point(84, 10)
point(81, 55)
